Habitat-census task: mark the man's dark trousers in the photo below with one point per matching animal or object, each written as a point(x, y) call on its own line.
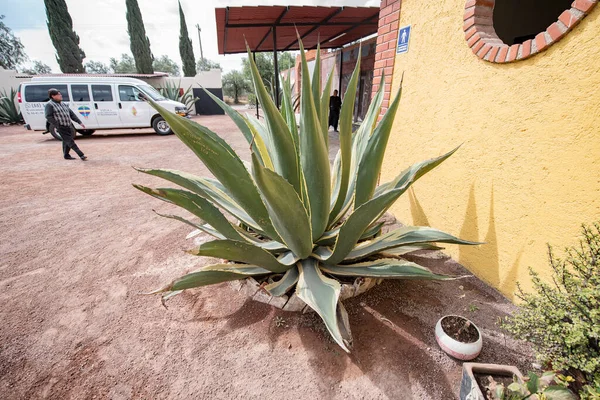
point(334, 117)
point(68, 143)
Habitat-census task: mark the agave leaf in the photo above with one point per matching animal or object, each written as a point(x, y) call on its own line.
point(359, 143)
point(346, 117)
point(324, 114)
point(197, 205)
point(222, 162)
point(199, 228)
point(206, 188)
point(400, 251)
point(285, 208)
point(407, 235)
point(344, 324)
point(413, 173)
point(321, 294)
point(357, 222)
point(336, 173)
point(282, 286)
point(315, 80)
point(288, 258)
point(212, 274)
point(366, 214)
point(387, 268)
point(321, 253)
point(282, 150)
point(241, 252)
point(287, 110)
point(328, 238)
point(314, 156)
point(247, 129)
point(370, 164)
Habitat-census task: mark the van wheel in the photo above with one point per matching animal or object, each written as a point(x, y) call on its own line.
point(86, 132)
point(161, 127)
point(55, 134)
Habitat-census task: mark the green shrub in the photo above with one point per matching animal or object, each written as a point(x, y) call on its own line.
point(173, 92)
point(548, 386)
point(562, 319)
point(304, 227)
point(9, 111)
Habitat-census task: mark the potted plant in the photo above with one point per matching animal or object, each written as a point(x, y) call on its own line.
point(458, 337)
point(505, 382)
point(304, 228)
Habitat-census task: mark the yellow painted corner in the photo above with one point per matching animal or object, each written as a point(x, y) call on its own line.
point(528, 171)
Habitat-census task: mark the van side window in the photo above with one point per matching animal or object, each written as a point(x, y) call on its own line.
point(39, 93)
point(80, 92)
point(102, 93)
point(129, 93)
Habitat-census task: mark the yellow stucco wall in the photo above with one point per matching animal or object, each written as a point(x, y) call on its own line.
point(528, 172)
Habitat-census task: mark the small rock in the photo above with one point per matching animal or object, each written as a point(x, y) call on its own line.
point(289, 346)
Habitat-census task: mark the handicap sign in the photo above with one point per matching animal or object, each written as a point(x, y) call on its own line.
point(403, 38)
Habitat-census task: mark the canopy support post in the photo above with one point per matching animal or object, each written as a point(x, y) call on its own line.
point(255, 96)
point(276, 67)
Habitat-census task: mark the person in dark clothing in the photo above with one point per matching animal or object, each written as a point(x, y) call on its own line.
point(59, 116)
point(335, 104)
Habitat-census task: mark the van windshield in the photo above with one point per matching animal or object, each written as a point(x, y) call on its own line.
point(153, 93)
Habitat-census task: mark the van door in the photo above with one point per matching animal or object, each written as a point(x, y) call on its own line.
point(81, 104)
point(33, 102)
point(134, 112)
point(105, 106)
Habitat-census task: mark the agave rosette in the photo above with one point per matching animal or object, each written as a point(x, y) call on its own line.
point(300, 223)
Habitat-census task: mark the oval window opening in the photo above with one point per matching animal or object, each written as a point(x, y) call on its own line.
point(517, 21)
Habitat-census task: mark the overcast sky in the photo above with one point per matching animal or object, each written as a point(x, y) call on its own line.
point(102, 27)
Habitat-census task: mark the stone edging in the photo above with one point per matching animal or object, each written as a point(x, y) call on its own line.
point(483, 41)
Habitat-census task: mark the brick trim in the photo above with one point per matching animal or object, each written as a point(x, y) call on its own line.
point(385, 52)
point(482, 39)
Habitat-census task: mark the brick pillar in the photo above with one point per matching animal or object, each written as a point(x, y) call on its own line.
point(385, 53)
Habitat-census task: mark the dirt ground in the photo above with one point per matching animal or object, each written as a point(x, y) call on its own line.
point(78, 245)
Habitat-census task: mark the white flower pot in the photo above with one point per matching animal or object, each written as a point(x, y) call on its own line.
point(455, 348)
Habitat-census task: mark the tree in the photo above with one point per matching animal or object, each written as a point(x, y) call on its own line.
point(266, 67)
point(126, 65)
point(235, 84)
point(139, 42)
point(12, 52)
point(165, 64)
point(66, 42)
point(204, 64)
point(97, 67)
point(186, 51)
point(39, 68)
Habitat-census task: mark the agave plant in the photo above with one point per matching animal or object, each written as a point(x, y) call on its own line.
point(300, 225)
point(9, 113)
point(172, 92)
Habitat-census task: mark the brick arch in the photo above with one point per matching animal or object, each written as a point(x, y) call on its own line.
point(483, 41)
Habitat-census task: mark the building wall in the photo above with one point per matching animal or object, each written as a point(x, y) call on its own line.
point(528, 171)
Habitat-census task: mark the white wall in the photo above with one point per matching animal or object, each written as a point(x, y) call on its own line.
point(8, 79)
point(208, 79)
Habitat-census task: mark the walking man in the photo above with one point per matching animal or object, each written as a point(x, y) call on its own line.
point(59, 115)
point(335, 104)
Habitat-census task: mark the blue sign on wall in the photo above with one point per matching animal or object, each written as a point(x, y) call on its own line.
point(403, 39)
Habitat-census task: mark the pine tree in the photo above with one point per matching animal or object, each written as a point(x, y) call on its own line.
point(139, 43)
point(66, 42)
point(185, 47)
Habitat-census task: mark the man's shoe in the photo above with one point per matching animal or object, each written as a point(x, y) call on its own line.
point(83, 158)
point(69, 158)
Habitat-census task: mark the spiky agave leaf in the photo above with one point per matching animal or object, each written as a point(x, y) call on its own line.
point(302, 226)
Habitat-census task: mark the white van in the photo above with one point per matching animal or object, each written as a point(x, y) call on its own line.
point(100, 103)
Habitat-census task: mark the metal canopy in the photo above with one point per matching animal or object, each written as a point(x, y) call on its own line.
point(273, 28)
